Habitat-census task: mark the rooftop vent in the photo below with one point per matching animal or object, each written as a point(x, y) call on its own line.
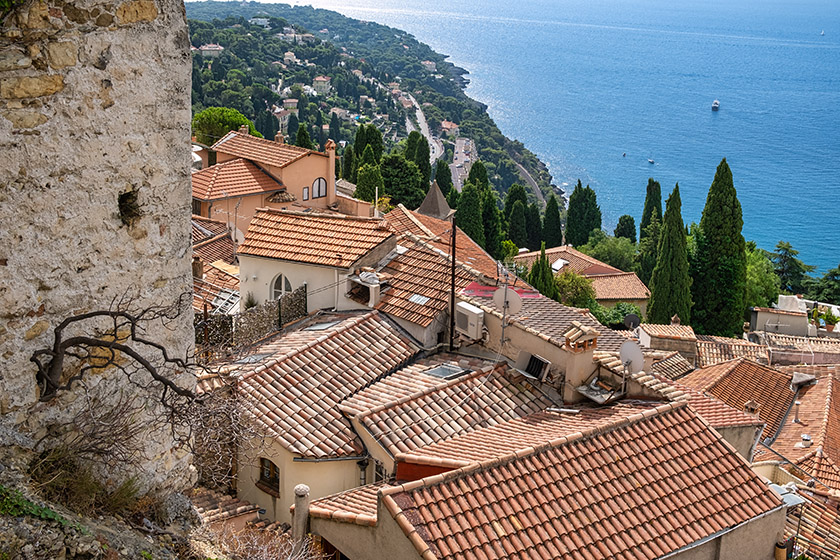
point(806, 441)
point(321, 326)
point(796, 406)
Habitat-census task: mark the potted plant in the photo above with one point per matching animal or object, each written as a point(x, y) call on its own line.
point(815, 316)
point(830, 320)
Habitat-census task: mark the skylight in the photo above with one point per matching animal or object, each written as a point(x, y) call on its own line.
point(418, 299)
point(447, 371)
point(558, 264)
point(321, 326)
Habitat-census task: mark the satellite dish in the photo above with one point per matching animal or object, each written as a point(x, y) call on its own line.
point(514, 300)
point(631, 321)
point(632, 357)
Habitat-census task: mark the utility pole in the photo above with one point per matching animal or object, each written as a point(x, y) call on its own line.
point(452, 289)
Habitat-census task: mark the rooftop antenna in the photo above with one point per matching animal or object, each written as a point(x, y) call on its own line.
point(633, 360)
point(631, 321)
point(509, 302)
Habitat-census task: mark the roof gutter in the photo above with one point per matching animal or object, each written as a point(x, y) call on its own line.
point(714, 536)
point(327, 459)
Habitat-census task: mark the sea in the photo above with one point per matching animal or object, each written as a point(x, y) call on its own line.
point(597, 88)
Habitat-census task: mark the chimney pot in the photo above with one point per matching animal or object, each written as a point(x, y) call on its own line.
point(243, 129)
point(279, 138)
point(796, 406)
point(675, 320)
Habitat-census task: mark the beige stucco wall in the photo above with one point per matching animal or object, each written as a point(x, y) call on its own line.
point(783, 323)
point(742, 438)
point(94, 104)
point(323, 478)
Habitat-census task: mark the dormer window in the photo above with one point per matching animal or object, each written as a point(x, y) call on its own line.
point(319, 188)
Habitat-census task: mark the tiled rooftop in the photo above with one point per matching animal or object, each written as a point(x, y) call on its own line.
point(438, 233)
point(676, 332)
point(619, 286)
point(817, 528)
point(214, 507)
point(420, 283)
point(294, 392)
point(521, 433)
point(742, 380)
point(803, 343)
point(639, 489)
point(577, 262)
point(672, 367)
point(205, 228)
point(542, 316)
point(260, 150)
point(352, 506)
point(715, 349)
point(217, 288)
point(484, 397)
point(218, 248)
point(233, 178)
point(320, 239)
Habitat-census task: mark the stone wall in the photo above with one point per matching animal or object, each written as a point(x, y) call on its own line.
point(94, 192)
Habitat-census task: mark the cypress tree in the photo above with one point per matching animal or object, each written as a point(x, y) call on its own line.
point(302, 138)
point(411, 145)
point(348, 163)
point(626, 228)
point(583, 216)
point(368, 158)
point(552, 228)
point(360, 143)
point(422, 159)
point(670, 284)
point(335, 128)
point(533, 225)
point(369, 179)
point(402, 181)
point(648, 250)
point(443, 176)
point(653, 206)
point(452, 198)
point(541, 277)
point(492, 225)
point(292, 128)
point(469, 213)
point(517, 230)
point(478, 175)
point(374, 139)
point(515, 192)
point(721, 275)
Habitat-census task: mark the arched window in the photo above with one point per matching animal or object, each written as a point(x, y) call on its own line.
point(280, 287)
point(319, 188)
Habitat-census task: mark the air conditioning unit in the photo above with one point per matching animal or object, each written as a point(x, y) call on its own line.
point(469, 320)
point(535, 367)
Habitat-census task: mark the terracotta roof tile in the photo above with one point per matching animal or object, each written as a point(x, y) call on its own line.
point(803, 343)
point(237, 177)
point(214, 507)
point(672, 367)
point(352, 506)
point(484, 397)
point(619, 286)
point(577, 262)
point(741, 380)
point(295, 390)
point(218, 248)
point(322, 239)
point(816, 526)
point(715, 349)
point(677, 332)
point(260, 150)
point(641, 488)
point(218, 288)
point(205, 228)
point(542, 316)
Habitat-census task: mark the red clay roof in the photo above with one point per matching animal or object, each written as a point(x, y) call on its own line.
point(352, 506)
point(672, 367)
point(218, 248)
point(214, 507)
point(816, 526)
point(676, 332)
point(322, 239)
point(484, 397)
point(260, 150)
point(205, 228)
point(715, 349)
point(237, 177)
point(216, 287)
point(619, 286)
point(438, 234)
point(577, 262)
point(741, 380)
point(642, 488)
point(295, 394)
point(802, 344)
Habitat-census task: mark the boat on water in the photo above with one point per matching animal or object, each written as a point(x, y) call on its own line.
point(822, 33)
point(650, 160)
point(715, 105)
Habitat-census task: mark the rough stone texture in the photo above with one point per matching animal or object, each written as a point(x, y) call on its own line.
point(94, 102)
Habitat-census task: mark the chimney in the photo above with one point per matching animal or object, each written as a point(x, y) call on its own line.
point(675, 320)
point(300, 520)
point(796, 406)
point(243, 129)
point(197, 267)
point(329, 148)
point(751, 407)
point(279, 138)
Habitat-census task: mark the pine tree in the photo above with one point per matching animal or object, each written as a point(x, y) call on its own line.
point(369, 180)
point(478, 175)
point(374, 139)
point(443, 176)
point(583, 216)
point(533, 225)
point(626, 228)
point(653, 206)
point(648, 250)
point(790, 270)
point(541, 277)
point(515, 192)
point(719, 289)
point(348, 163)
point(492, 225)
point(552, 228)
point(302, 138)
point(469, 213)
point(670, 284)
point(517, 230)
point(422, 159)
point(411, 145)
point(368, 158)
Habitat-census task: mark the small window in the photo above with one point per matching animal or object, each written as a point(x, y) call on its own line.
point(280, 287)
point(305, 193)
point(269, 474)
point(319, 188)
point(196, 207)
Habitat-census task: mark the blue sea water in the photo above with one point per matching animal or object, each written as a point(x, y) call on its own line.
point(582, 82)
